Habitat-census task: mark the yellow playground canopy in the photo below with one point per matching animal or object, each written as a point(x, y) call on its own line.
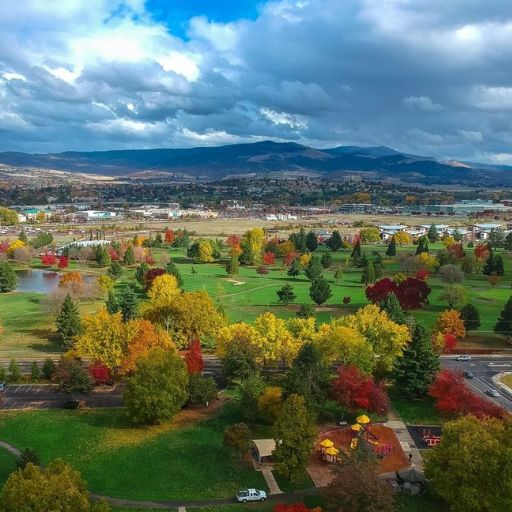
point(326, 443)
point(356, 427)
point(331, 451)
point(363, 419)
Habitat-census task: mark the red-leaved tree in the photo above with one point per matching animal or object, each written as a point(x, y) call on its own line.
point(48, 259)
point(114, 255)
point(355, 390)
point(194, 357)
point(291, 507)
point(412, 293)
point(453, 397)
point(288, 259)
point(63, 262)
point(262, 271)
point(151, 275)
point(380, 290)
point(269, 258)
point(422, 273)
point(169, 236)
point(100, 374)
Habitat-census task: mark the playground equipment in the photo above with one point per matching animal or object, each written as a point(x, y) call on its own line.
point(328, 451)
point(362, 430)
point(430, 439)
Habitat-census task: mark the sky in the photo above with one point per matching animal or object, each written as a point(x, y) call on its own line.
point(431, 77)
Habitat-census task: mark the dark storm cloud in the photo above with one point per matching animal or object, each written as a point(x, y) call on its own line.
point(423, 76)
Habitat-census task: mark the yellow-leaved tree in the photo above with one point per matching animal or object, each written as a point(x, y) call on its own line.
point(252, 244)
point(305, 259)
point(302, 329)
point(428, 261)
point(387, 338)
point(104, 338)
point(403, 238)
point(205, 251)
point(240, 334)
point(164, 288)
point(274, 340)
point(344, 345)
point(450, 322)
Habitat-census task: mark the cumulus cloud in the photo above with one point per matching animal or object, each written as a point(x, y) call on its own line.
point(427, 76)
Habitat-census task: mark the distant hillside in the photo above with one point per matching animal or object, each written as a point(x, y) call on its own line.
point(218, 162)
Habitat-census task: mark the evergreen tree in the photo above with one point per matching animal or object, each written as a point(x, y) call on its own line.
point(326, 260)
point(422, 245)
point(23, 237)
point(103, 258)
point(68, 322)
point(311, 241)
point(508, 242)
point(320, 291)
point(471, 317)
point(172, 270)
point(356, 254)
point(140, 271)
point(48, 368)
point(35, 374)
point(295, 433)
point(8, 278)
point(314, 270)
point(299, 240)
point(232, 266)
point(391, 250)
point(129, 256)
point(111, 303)
point(392, 307)
point(128, 304)
point(286, 295)
point(433, 234)
point(334, 242)
point(338, 274)
point(416, 369)
point(368, 275)
point(13, 371)
point(493, 265)
point(115, 270)
point(457, 235)
point(294, 269)
point(504, 323)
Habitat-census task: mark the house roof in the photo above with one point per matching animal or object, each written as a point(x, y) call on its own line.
point(265, 447)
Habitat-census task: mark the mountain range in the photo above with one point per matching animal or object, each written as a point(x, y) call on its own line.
point(219, 162)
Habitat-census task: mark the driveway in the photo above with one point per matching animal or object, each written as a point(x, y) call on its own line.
point(46, 396)
point(483, 368)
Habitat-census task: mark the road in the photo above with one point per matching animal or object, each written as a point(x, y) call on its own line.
point(46, 396)
point(483, 368)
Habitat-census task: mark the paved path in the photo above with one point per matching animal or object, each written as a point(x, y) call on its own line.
point(166, 504)
point(273, 488)
point(398, 426)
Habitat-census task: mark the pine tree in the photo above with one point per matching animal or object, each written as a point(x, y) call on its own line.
point(103, 258)
point(338, 274)
point(172, 269)
point(128, 304)
point(68, 322)
point(392, 307)
point(23, 237)
point(334, 242)
point(115, 270)
point(286, 295)
point(311, 241)
point(35, 374)
point(48, 368)
point(111, 303)
point(422, 245)
point(433, 234)
point(232, 266)
point(314, 270)
point(326, 260)
point(356, 254)
point(295, 432)
point(504, 323)
point(129, 256)
point(416, 369)
point(13, 371)
point(391, 250)
point(8, 278)
point(320, 291)
point(471, 317)
point(140, 271)
point(493, 265)
point(368, 273)
point(508, 242)
point(294, 269)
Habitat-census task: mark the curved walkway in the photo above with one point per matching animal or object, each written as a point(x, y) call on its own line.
point(164, 504)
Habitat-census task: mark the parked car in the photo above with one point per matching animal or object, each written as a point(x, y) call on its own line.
point(469, 375)
point(463, 358)
point(493, 392)
point(246, 495)
point(3, 386)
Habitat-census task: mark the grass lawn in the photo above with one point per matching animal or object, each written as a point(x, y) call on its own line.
point(507, 380)
point(416, 412)
point(167, 461)
point(424, 503)
point(7, 465)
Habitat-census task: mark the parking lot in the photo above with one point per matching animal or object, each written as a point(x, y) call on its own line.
point(484, 368)
point(47, 396)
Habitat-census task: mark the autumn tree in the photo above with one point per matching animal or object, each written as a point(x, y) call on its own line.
point(455, 295)
point(270, 402)
point(416, 369)
point(142, 336)
point(469, 468)
point(68, 322)
point(71, 377)
point(157, 390)
point(238, 437)
point(252, 245)
point(450, 322)
point(150, 275)
point(194, 357)
point(56, 486)
point(295, 433)
point(354, 390)
point(100, 374)
point(369, 235)
point(402, 238)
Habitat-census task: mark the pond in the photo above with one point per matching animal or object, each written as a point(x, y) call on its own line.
point(40, 281)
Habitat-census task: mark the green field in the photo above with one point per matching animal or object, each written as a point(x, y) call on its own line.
point(29, 331)
point(168, 461)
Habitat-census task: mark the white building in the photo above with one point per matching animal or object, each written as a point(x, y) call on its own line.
point(95, 215)
point(483, 231)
